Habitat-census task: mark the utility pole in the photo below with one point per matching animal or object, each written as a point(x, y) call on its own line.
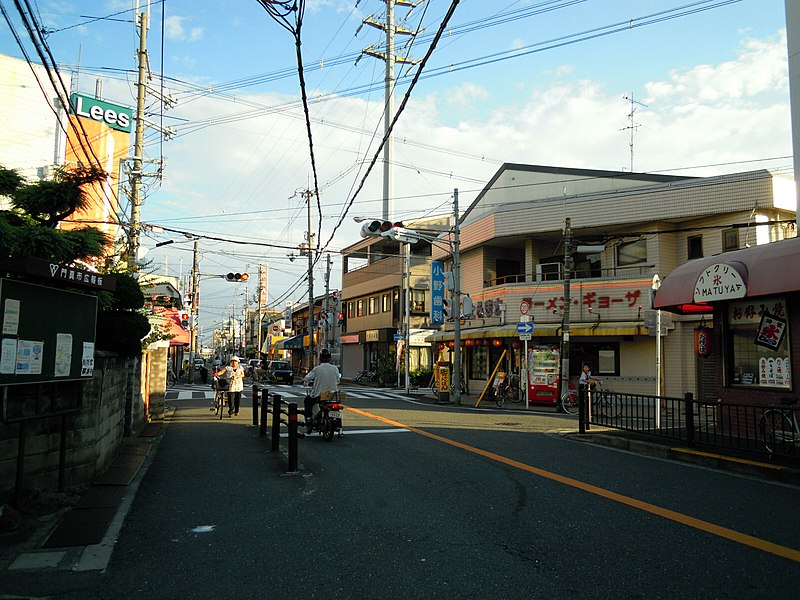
point(136, 173)
point(328, 320)
point(310, 251)
point(567, 302)
point(456, 302)
point(389, 57)
point(193, 309)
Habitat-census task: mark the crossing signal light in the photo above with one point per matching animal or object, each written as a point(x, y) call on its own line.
point(237, 277)
point(447, 310)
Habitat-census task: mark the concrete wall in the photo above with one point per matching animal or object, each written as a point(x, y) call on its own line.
point(94, 434)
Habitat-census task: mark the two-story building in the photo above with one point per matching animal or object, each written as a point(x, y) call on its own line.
point(512, 241)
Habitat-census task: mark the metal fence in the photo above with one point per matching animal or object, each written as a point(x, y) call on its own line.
point(770, 430)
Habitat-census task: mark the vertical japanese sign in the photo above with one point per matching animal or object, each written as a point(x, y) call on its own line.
point(263, 273)
point(437, 293)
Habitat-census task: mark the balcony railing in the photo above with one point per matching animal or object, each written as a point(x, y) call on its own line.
point(630, 272)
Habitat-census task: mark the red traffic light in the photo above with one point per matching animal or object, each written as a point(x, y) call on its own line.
point(237, 277)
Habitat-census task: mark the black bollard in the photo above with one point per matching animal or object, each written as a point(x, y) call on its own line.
point(275, 434)
point(255, 405)
point(292, 437)
point(262, 432)
point(582, 409)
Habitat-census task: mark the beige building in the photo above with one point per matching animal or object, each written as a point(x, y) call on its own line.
point(513, 256)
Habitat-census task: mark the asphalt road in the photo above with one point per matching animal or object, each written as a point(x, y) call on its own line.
point(423, 501)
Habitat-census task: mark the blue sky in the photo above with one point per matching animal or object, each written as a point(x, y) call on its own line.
point(713, 85)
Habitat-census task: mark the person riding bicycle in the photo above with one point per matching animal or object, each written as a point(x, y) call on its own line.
point(586, 380)
point(324, 377)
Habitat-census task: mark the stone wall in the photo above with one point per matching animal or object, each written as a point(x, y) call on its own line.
point(111, 407)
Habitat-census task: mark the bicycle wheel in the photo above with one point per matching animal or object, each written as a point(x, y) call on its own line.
point(170, 379)
point(607, 405)
point(220, 404)
point(499, 397)
point(569, 402)
point(777, 431)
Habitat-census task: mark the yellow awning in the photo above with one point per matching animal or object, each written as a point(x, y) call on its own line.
point(544, 330)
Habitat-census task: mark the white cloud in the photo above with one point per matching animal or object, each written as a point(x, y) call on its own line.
point(176, 30)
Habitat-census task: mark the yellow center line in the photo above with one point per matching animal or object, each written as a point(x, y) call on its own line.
point(718, 530)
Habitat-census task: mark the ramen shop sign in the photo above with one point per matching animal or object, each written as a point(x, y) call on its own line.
point(115, 116)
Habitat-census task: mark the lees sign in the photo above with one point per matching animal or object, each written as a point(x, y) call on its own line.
point(115, 116)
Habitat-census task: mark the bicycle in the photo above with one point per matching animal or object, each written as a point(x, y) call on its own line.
point(779, 430)
point(220, 397)
point(171, 379)
point(604, 402)
point(508, 391)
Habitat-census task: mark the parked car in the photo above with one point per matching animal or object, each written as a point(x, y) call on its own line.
point(281, 370)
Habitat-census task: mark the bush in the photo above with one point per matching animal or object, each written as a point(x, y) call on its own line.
point(421, 377)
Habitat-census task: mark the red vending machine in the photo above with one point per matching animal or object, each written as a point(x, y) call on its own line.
point(544, 367)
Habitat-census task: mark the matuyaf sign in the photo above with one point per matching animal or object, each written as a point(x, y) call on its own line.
point(115, 116)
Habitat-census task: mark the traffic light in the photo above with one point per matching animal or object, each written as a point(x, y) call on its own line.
point(335, 296)
point(184, 320)
point(378, 228)
point(237, 277)
point(340, 318)
point(447, 310)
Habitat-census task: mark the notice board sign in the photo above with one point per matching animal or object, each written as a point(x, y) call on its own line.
point(47, 334)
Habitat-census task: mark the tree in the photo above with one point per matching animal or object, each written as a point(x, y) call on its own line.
point(29, 228)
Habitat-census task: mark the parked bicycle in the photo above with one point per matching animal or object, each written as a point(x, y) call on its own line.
point(433, 386)
point(508, 390)
point(779, 428)
point(604, 402)
point(171, 379)
point(367, 378)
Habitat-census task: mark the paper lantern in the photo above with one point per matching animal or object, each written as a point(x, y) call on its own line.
point(516, 344)
point(451, 344)
point(702, 341)
point(440, 346)
point(469, 343)
point(497, 342)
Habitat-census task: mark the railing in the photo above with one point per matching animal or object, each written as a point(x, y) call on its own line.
point(283, 413)
point(752, 428)
point(605, 273)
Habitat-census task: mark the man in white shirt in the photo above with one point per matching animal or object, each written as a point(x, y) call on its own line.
point(324, 377)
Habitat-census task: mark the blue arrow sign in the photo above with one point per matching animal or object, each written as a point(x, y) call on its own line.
point(524, 328)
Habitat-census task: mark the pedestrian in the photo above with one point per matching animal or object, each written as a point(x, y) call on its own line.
point(586, 379)
point(323, 378)
point(235, 376)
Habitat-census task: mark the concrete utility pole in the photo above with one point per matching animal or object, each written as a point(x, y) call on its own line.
point(328, 319)
point(389, 56)
point(567, 302)
point(193, 309)
point(136, 173)
point(456, 302)
point(310, 252)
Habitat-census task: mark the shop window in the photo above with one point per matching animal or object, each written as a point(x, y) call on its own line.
point(386, 303)
point(418, 301)
point(730, 240)
point(695, 246)
point(758, 351)
point(479, 363)
point(632, 253)
point(602, 358)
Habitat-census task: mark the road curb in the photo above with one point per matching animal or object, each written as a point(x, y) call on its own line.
point(713, 460)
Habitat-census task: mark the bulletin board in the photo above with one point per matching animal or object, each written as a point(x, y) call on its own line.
point(46, 334)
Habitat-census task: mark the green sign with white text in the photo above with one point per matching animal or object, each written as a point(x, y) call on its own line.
point(115, 116)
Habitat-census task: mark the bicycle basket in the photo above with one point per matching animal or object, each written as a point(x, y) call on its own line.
point(222, 384)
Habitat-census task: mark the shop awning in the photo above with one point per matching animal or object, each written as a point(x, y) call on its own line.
point(759, 271)
point(292, 343)
point(170, 319)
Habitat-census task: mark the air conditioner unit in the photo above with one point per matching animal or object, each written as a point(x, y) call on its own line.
point(549, 271)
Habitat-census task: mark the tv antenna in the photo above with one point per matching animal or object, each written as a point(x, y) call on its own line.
point(633, 126)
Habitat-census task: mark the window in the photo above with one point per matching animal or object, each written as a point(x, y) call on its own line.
point(632, 253)
point(386, 304)
point(602, 358)
point(730, 240)
point(695, 246)
point(418, 301)
point(758, 351)
point(373, 305)
point(479, 363)
point(351, 310)
point(360, 309)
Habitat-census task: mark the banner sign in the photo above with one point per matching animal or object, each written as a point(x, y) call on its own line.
point(436, 316)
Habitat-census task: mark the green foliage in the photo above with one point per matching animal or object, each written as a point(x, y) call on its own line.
point(385, 369)
point(10, 180)
point(121, 332)
point(420, 377)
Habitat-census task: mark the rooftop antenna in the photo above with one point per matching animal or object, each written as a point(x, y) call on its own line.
point(633, 125)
